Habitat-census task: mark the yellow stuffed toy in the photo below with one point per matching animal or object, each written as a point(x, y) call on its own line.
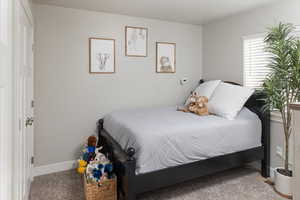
point(81, 166)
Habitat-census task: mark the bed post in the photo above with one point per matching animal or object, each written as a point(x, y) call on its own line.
point(101, 140)
point(129, 178)
point(264, 115)
point(265, 163)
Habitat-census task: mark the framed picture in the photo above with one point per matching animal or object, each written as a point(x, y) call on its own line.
point(165, 57)
point(102, 55)
point(136, 41)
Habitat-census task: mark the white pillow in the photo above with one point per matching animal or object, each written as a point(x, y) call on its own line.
point(206, 89)
point(228, 100)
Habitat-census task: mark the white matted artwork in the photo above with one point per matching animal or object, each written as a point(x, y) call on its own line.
point(136, 39)
point(102, 55)
point(165, 57)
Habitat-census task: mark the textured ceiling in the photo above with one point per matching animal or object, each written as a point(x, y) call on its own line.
point(186, 11)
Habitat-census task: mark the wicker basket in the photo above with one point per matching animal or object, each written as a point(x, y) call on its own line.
point(106, 191)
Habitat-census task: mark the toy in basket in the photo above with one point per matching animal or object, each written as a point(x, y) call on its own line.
point(99, 179)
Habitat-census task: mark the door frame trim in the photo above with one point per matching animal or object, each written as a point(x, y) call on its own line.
point(18, 6)
point(6, 136)
point(27, 8)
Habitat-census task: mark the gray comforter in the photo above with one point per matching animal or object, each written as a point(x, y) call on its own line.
point(164, 137)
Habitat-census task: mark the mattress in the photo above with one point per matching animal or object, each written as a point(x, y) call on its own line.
point(164, 137)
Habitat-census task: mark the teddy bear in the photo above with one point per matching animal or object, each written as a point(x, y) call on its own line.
point(197, 104)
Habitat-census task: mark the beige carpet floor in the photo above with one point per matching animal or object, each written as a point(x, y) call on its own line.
point(237, 184)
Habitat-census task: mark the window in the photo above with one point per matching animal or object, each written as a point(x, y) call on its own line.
point(297, 32)
point(256, 61)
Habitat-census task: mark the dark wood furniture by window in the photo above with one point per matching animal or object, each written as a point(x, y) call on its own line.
point(296, 139)
point(130, 184)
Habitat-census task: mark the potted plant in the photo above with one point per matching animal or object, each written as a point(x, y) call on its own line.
point(282, 88)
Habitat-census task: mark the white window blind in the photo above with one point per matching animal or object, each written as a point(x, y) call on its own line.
point(297, 32)
point(256, 61)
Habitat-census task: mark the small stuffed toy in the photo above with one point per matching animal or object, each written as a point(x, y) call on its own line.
point(108, 169)
point(89, 169)
point(197, 105)
point(85, 156)
point(100, 157)
point(94, 163)
point(98, 172)
point(89, 153)
point(81, 166)
point(91, 143)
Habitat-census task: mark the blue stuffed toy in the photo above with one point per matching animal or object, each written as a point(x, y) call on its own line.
point(91, 149)
point(89, 153)
point(100, 166)
point(109, 170)
point(97, 174)
point(101, 169)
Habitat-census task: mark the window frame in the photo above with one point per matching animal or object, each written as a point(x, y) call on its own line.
point(247, 37)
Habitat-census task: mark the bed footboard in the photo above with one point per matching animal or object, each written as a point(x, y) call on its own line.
point(124, 163)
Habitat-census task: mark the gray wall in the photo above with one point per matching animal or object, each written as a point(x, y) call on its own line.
point(69, 100)
point(222, 47)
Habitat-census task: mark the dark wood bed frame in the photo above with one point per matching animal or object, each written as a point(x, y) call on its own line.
point(131, 184)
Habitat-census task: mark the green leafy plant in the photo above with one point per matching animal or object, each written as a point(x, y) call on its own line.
point(282, 84)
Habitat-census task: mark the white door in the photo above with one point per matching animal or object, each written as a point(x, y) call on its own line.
point(5, 100)
point(25, 96)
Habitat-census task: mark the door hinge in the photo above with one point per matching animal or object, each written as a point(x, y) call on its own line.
point(32, 104)
point(32, 160)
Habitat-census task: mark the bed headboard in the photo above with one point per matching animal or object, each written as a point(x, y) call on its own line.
point(256, 104)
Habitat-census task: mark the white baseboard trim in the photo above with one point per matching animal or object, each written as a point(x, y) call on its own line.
point(52, 168)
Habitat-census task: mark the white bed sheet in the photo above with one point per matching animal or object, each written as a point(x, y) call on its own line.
point(164, 137)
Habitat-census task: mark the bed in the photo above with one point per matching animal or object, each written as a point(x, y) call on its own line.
point(157, 147)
